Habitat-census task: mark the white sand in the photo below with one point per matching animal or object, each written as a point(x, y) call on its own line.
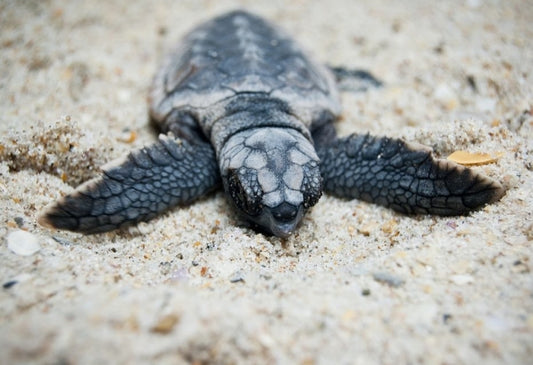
point(195, 286)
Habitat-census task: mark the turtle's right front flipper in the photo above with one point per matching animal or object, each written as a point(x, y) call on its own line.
point(395, 174)
point(147, 182)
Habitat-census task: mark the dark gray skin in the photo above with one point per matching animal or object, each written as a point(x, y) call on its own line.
point(239, 104)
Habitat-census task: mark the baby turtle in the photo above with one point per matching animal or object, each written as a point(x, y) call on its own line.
point(239, 103)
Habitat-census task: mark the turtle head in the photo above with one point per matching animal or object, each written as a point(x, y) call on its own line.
point(272, 176)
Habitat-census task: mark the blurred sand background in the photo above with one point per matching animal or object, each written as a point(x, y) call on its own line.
point(357, 284)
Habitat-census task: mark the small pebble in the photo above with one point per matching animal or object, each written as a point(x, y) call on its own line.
point(461, 279)
point(237, 277)
point(389, 279)
point(23, 243)
point(179, 275)
point(446, 318)
point(165, 324)
point(19, 221)
point(9, 284)
point(62, 241)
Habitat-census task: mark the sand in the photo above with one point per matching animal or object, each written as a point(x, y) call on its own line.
point(357, 283)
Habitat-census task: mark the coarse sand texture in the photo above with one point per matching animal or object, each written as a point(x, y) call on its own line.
point(356, 283)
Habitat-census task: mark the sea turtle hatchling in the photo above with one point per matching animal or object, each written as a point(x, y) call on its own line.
point(239, 103)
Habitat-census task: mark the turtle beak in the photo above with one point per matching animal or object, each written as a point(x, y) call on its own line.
point(284, 219)
point(283, 230)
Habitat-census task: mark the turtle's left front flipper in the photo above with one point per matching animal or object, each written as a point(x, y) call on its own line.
point(147, 182)
point(408, 179)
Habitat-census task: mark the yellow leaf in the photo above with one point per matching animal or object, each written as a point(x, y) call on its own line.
point(470, 158)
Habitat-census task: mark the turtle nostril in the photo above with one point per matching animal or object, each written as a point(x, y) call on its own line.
point(285, 212)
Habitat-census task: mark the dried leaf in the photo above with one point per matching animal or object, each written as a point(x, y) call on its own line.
point(473, 158)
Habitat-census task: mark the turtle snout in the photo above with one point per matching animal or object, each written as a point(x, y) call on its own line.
point(285, 219)
point(285, 212)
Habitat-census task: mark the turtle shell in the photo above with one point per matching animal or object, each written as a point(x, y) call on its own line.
point(240, 54)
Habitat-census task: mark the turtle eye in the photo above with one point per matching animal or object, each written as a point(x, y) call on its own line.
point(245, 191)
